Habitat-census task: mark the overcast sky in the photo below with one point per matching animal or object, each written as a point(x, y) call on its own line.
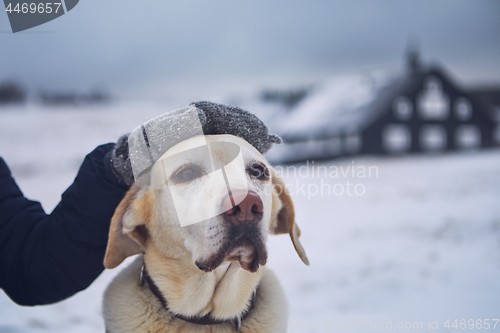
point(153, 48)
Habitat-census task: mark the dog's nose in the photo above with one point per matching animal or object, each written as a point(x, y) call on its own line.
point(249, 209)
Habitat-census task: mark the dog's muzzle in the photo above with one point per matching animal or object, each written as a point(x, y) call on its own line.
point(243, 241)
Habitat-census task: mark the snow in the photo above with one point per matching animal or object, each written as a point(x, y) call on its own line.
point(419, 242)
point(333, 106)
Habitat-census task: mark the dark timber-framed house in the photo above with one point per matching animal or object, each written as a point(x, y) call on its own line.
point(424, 111)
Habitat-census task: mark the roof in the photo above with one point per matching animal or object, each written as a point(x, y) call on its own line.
point(340, 104)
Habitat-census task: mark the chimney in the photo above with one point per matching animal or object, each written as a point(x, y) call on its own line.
point(413, 64)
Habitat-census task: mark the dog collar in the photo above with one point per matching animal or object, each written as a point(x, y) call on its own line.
point(204, 320)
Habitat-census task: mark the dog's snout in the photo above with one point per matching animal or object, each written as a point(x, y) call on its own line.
point(249, 209)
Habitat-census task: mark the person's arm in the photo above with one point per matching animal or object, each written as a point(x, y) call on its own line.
point(47, 258)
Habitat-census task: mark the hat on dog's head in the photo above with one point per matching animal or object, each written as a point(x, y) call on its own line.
point(225, 119)
point(148, 142)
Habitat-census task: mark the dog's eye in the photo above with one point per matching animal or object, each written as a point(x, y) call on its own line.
point(186, 174)
point(259, 171)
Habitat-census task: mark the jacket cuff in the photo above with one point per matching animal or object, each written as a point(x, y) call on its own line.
point(108, 171)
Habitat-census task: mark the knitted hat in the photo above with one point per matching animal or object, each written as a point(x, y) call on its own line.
point(148, 142)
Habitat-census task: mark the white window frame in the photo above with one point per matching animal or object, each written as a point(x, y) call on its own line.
point(461, 113)
point(402, 108)
point(426, 133)
point(396, 138)
point(432, 102)
point(467, 130)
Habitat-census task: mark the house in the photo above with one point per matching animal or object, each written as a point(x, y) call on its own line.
point(422, 111)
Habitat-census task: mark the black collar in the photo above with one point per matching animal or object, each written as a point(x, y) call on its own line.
point(206, 319)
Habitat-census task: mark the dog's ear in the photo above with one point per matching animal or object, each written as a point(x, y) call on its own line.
point(284, 221)
point(127, 233)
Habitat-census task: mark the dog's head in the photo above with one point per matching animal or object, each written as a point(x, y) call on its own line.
point(234, 210)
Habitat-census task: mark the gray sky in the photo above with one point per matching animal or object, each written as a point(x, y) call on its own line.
point(155, 48)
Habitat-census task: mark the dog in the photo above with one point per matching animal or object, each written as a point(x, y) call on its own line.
point(208, 276)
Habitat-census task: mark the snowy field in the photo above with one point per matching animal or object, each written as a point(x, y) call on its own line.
point(415, 241)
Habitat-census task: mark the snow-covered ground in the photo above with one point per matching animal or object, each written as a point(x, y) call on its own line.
point(417, 240)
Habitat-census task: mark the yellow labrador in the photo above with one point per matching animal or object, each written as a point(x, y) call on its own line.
point(207, 276)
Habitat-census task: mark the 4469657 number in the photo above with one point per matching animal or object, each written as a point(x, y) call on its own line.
point(32, 8)
point(470, 324)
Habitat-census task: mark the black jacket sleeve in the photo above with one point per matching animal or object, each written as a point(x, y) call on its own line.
point(47, 258)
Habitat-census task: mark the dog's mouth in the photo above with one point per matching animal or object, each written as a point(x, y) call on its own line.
point(244, 245)
point(246, 253)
